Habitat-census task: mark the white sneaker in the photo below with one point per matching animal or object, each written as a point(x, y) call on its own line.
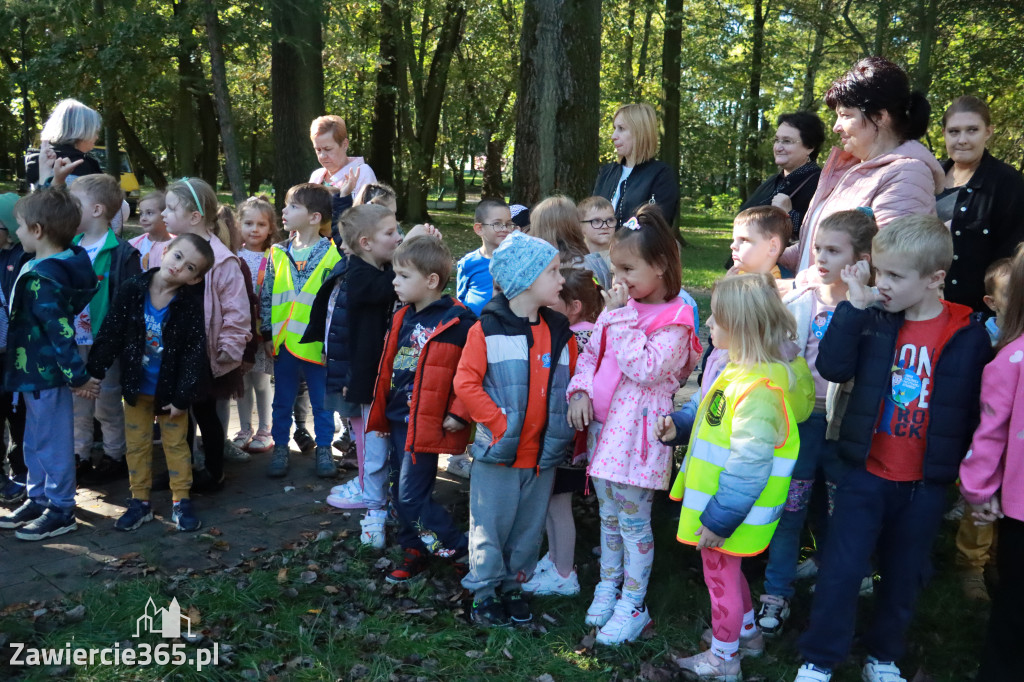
point(552, 583)
point(751, 643)
point(606, 594)
point(626, 624)
point(544, 564)
point(459, 465)
point(806, 569)
point(877, 671)
point(812, 673)
point(708, 666)
point(372, 526)
point(772, 615)
point(347, 496)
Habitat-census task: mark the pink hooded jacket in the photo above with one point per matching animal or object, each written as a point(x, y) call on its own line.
point(904, 181)
point(651, 362)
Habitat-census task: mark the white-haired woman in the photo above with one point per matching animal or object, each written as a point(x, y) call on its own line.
point(70, 133)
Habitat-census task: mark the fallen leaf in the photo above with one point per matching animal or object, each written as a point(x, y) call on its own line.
point(289, 488)
point(215, 532)
point(193, 615)
point(331, 589)
point(477, 654)
point(549, 619)
point(256, 550)
point(308, 577)
point(508, 654)
point(282, 575)
point(323, 535)
point(544, 678)
point(242, 510)
point(75, 615)
point(325, 523)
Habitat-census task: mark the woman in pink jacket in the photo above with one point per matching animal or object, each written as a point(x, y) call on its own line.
point(881, 164)
point(992, 481)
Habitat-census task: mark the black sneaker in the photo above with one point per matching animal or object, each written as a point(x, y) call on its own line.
point(184, 516)
point(51, 522)
point(304, 439)
point(489, 613)
point(517, 607)
point(83, 468)
point(29, 511)
point(108, 470)
point(413, 564)
point(13, 490)
point(204, 482)
point(138, 513)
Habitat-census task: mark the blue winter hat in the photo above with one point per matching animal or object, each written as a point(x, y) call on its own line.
point(7, 219)
point(518, 262)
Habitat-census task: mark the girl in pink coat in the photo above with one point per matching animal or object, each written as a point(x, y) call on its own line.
point(643, 345)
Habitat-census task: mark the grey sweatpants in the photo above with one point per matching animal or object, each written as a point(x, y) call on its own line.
point(507, 509)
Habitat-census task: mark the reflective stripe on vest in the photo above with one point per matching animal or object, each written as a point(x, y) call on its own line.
point(709, 451)
point(290, 309)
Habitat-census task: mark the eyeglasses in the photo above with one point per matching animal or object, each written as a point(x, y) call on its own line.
point(785, 141)
point(598, 223)
point(506, 227)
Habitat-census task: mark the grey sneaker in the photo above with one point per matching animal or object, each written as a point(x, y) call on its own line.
point(325, 467)
point(278, 467)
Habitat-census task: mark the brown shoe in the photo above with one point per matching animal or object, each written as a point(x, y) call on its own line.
point(974, 587)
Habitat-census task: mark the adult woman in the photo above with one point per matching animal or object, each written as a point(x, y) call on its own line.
point(330, 142)
point(881, 165)
point(982, 201)
point(70, 133)
point(637, 178)
point(798, 140)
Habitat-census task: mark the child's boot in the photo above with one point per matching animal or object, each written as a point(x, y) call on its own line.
point(278, 467)
point(709, 666)
point(372, 526)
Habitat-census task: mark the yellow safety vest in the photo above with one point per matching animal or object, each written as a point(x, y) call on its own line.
point(709, 448)
point(289, 311)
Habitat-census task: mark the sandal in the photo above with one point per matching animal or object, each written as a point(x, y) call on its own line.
point(242, 438)
point(261, 442)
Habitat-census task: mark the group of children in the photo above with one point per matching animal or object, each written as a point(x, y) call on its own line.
point(558, 360)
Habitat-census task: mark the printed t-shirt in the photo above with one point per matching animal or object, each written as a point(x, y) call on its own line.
point(821, 315)
point(83, 322)
point(151, 359)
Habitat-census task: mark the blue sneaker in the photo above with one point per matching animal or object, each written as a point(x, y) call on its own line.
point(13, 490)
point(51, 523)
point(30, 511)
point(138, 513)
point(184, 517)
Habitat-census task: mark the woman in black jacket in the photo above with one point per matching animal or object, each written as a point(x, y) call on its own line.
point(70, 133)
point(983, 201)
point(637, 178)
point(798, 140)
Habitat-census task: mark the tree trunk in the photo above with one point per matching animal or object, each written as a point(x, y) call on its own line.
point(209, 151)
point(752, 177)
point(493, 186)
point(821, 23)
point(254, 161)
point(185, 118)
point(670, 75)
point(384, 129)
point(138, 152)
point(627, 48)
point(558, 106)
point(641, 64)
point(233, 164)
point(297, 88)
point(882, 18)
point(929, 14)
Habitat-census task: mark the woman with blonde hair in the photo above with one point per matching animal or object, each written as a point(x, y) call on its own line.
point(637, 178)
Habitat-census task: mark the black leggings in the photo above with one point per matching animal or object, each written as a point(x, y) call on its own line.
point(205, 413)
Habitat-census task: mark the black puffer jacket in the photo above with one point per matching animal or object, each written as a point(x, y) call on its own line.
point(988, 224)
point(651, 182)
point(337, 349)
point(89, 166)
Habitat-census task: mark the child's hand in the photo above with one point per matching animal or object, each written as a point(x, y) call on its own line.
point(708, 538)
point(268, 347)
point(175, 412)
point(451, 424)
point(856, 277)
point(62, 168)
point(665, 428)
point(616, 298)
point(348, 182)
point(224, 357)
point(423, 229)
point(988, 512)
point(90, 390)
point(581, 411)
point(783, 201)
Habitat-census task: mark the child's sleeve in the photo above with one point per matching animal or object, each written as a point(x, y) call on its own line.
point(461, 281)
point(838, 348)
point(370, 286)
point(683, 419)
point(981, 472)
point(267, 300)
point(586, 364)
point(758, 422)
point(469, 384)
point(192, 361)
point(107, 345)
point(59, 332)
point(234, 308)
point(650, 360)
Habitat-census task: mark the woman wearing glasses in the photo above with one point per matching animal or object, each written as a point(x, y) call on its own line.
point(637, 178)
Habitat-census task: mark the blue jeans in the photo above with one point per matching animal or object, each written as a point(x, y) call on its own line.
point(902, 520)
point(816, 454)
point(288, 369)
point(50, 447)
point(412, 487)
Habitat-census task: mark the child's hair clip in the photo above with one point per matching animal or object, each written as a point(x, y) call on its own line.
point(632, 224)
point(866, 210)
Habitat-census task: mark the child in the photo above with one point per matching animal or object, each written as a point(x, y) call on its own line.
point(997, 278)
point(473, 283)
point(12, 257)
point(43, 364)
point(642, 348)
point(113, 261)
point(163, 364)
point(191, 208)
point(556, 221)
point(296, 270)
point(513, 375)
point(597, 216)
point(759, 236)
point(992, 478)
point(151, 220)
point(414, 402)
point(842, 239)
point(259, 229)
point(735, 476)
point(916, 361)
point(580, 301)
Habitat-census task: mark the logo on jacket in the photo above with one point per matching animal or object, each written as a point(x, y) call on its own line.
point(716, 408)
point(545, 360)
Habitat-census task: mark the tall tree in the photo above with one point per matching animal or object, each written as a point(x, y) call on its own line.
point(223, 99)
point(558, 103)
point(670, 74)
point(384, 129)
point(752, 177)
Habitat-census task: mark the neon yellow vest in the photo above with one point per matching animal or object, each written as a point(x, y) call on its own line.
point(289, 311)
point(709, 448)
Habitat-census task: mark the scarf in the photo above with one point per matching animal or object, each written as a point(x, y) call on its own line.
point(100, 303)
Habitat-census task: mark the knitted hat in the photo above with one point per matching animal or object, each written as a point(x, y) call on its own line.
point(518, 261)
point(520, 215)
point(7, 202)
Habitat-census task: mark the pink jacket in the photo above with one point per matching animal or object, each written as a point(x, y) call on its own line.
point(652, 363)
point(995, 461)
point(226, 304)
point(903, 181)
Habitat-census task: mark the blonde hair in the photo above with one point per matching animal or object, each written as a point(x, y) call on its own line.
point(195, 194)
point(922, 240)
point(642, 122)
point(556, 221)
point(593, 204)
point(749, 308)
point(101, 189)
point(71, 121)
point(361, 221)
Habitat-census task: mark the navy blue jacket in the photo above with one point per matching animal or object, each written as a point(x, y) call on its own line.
point(337, 350)
point(861, 345)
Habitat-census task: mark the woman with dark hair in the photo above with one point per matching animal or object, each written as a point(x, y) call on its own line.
point(637, 178)
point(982, 201)
point(798, 140)
point(881, 165)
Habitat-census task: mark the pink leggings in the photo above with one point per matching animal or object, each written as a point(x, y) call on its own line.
point(730, 594)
